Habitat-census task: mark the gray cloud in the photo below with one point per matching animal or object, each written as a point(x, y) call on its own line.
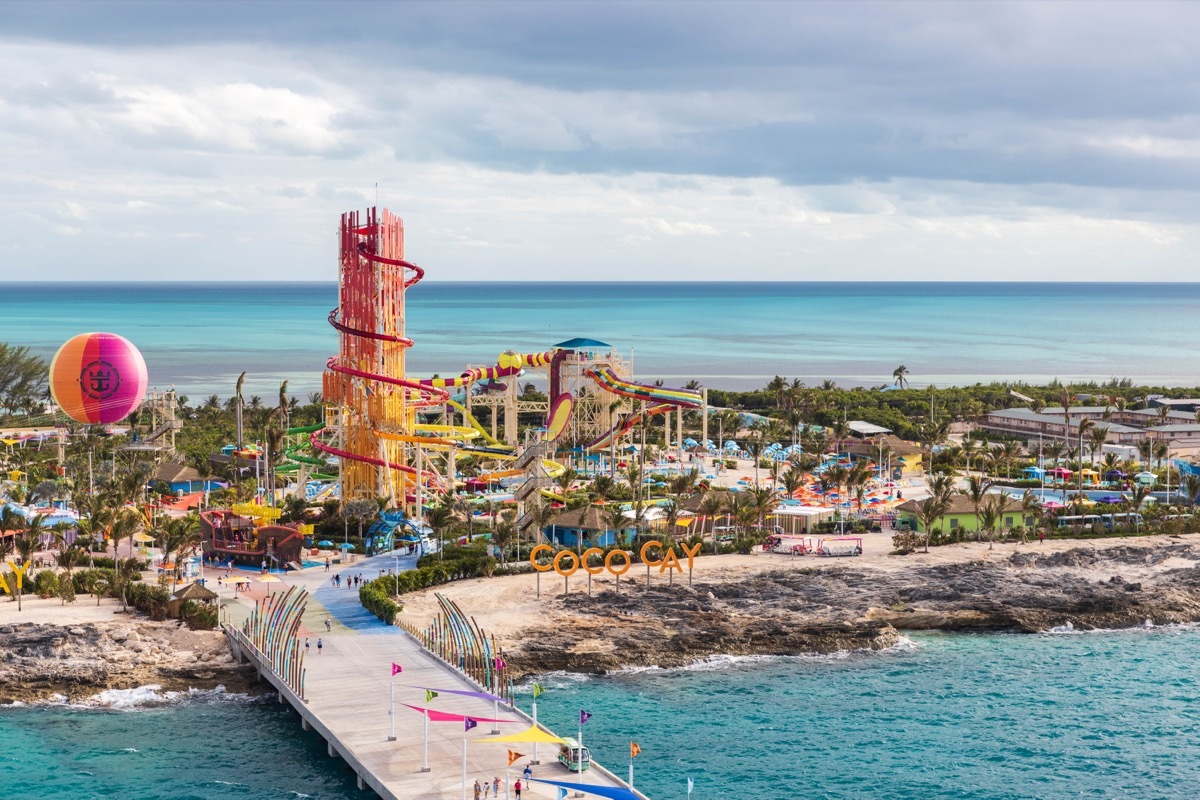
point(669, 133)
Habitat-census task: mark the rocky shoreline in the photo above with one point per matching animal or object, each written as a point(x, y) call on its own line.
point(42, 661)
point(826, 609)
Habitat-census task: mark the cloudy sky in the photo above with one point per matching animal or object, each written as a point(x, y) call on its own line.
point(603, 141)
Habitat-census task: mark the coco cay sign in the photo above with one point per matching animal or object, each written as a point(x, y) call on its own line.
point(652, 554)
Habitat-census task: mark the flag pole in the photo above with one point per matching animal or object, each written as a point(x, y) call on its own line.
point(425, 764)
point(495, 714)
point(535, 761)
point(392, 709)
point(464, 793)
point(631, 771)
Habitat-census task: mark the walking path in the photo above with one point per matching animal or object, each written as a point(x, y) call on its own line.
point(348, 687)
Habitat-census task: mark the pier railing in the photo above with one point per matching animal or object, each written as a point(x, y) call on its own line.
point(270, 632)
point(458, 640)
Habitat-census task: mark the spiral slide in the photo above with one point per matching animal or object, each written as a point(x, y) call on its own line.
point(609, 381)
point(360, 266)
point(627, 424)
point(659, 400)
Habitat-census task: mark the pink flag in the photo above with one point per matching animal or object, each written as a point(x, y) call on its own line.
point(396, 668)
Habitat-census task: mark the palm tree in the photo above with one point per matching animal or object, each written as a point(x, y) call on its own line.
point(1134, 500)
point(1085, 424)
point(710, 508)
point(1191, 489)
point(175, 537)
point(792, 479)
point(239, 404)
point(900, 376)
point(568, 477)
point(1066, 400)
point(929, 510)
point(1097, 438)
point(976, 490)
point(27, 543)
point(993, 512)
point(439, 518)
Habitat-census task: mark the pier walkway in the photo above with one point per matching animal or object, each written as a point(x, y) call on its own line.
point(346, 699)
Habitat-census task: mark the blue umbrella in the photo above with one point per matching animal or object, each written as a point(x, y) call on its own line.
point(346, 546)
point(324, 543)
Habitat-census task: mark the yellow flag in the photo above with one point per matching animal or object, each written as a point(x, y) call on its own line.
point(634, 749)
point(513, 755)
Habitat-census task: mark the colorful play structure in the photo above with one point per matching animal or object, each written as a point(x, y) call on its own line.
point(389, 434)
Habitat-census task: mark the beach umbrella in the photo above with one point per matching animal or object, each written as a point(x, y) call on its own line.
point(324, 543)
point(143, 537)
point(345, 546)
point(269, 579)
point(241, 580)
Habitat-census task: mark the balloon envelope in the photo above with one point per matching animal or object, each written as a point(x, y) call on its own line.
point(98, 377)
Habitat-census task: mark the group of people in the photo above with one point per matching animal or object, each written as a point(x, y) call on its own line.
point(481, 789)
point(352, 581)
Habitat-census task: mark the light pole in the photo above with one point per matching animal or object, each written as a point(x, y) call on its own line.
point(396, 573)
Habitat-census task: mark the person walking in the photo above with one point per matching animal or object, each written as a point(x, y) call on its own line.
point(477, 789)
point(517, 789)
point(328, 625)
point(528, 773)
point(307, 647)
point(487, 787)
point(496, 788)
point(320, 645)
point(327, 562)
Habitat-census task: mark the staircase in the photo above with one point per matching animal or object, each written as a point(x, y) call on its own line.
point(532, 460)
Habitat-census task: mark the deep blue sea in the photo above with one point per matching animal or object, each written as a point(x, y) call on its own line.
point(997, 717)
point(199, 337)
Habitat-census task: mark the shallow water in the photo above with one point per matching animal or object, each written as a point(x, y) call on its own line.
point(1112, 715)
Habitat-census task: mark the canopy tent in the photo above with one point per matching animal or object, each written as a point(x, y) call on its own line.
point(446, 716)
point(1146, 478)
point(533, 734)
point(143, 537)
point(576, 343)
point(611, 792)
point(1035, 472)
point(1115, 475)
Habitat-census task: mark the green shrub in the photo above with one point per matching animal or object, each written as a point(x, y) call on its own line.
point(198, 616)
point(45, 584)
point(149, 600)
point(377, 599)
point(66, 591)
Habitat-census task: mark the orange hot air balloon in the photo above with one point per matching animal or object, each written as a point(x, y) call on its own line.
point(98, 377)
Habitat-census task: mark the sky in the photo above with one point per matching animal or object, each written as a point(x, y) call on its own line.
point(602, 140)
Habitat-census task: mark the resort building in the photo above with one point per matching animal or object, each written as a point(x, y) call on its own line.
point(589, 526)
point(960, 516)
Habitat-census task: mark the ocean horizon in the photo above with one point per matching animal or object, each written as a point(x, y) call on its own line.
point(199, 336)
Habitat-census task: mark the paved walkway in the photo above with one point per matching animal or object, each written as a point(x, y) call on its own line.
point(348, 684)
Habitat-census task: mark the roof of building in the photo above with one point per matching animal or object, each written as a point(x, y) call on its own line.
point(898, 446)
point(194, 591)
point(866, 428)
point(959, 504)
point(173, 472)
point(584, 518)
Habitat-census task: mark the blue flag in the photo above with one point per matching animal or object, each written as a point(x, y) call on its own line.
point(468, 723)
point(562, 793)
point(584, 716)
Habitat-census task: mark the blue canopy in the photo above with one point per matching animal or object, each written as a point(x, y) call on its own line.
point(611, 792)
point(571, 344)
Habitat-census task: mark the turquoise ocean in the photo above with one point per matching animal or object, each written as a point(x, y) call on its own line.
point(974, 717)
point(998, 717)
point(199, 337)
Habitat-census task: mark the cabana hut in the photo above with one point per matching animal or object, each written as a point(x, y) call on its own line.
point(589, 526)
point(1033, 473)
point(193, 591)
point(1146, 478)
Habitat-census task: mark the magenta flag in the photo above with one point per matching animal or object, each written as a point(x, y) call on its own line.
point(468, 723)
point(446, 716)
point(396, 668)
